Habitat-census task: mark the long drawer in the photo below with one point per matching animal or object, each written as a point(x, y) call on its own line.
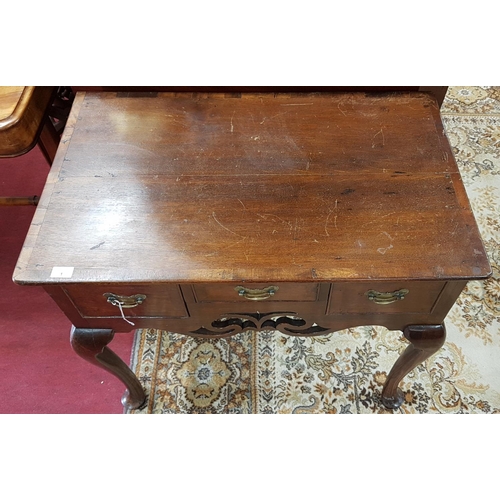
point(384, 297)
point(136, 300)
point(256, 292)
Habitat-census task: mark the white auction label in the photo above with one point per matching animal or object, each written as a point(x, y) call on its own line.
point(62, 272)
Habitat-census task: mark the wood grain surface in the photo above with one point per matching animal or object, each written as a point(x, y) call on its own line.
point(254, 187)
point(9, 99)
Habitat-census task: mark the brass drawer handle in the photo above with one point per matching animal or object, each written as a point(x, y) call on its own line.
point(124, 301)
point(256, 294)
point(385, 298)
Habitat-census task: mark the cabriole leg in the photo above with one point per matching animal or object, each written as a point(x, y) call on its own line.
point(425, 340)
point(91, 345)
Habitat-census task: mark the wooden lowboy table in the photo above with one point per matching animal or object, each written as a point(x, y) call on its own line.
point(210, 214)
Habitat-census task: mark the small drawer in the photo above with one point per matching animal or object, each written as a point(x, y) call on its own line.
point(384, 297)
point(247, 292)
point(138, 301)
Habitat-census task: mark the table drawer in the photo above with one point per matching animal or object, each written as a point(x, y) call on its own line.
point(384, 297)
point(256, 292)
point(139, 301)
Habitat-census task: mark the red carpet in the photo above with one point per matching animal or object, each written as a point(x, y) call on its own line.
point(39, 372)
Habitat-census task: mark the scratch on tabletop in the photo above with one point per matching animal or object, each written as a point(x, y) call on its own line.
point(264, 216)
point(330, 212)
point(382, 250)
point(383, 138)
point(224, 227)
point(274, 116)
point(341, 110)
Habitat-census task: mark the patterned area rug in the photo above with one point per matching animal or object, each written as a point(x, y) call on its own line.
point(343, 372)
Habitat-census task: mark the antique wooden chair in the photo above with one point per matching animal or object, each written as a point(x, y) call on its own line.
point(30, 116)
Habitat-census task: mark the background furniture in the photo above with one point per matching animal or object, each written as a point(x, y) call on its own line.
point(29, 116)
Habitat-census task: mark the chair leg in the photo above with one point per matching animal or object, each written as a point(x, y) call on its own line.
point(48, 141)
point(6, 201)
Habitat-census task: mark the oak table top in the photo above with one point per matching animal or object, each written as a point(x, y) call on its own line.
point(261, 187)
point(211, 214)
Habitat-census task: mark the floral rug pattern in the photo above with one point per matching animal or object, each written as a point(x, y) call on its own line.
point(343, 372)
